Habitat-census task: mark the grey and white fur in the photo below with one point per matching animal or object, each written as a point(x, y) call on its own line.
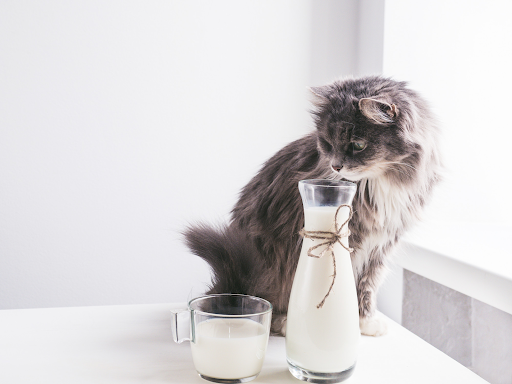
point(373, 131)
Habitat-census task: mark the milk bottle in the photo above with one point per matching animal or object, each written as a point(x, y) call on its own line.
point(322, 332)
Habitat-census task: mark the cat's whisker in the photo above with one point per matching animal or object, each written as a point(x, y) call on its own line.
point(333, 176)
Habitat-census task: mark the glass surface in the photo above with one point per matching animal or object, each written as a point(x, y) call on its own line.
point(229, 336)
point(326, 193)
point(229, 304)
point(322, 329)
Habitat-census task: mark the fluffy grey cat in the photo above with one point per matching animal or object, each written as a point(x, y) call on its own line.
point(373, 131)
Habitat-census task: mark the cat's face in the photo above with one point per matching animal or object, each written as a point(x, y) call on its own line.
point(361, 137)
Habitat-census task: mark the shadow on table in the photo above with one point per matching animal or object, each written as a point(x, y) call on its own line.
point(275, 375)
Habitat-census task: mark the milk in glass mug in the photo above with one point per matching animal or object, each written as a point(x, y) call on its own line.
point(228, 334)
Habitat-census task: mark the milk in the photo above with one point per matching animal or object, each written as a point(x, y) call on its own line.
point(323, 339)
point(229, 348)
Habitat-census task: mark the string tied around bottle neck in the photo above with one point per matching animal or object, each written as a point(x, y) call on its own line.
point(329, 239)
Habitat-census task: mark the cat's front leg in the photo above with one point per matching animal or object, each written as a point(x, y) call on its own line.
point(373, 326)
point(370, 323)
point(278, 325)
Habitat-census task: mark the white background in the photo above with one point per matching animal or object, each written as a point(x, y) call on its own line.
point(458, 54)
point(122, 121)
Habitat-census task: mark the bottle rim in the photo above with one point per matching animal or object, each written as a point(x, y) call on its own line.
point(329, 183)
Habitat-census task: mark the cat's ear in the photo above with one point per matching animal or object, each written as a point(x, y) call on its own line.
point(320, 95)
point(378, 111)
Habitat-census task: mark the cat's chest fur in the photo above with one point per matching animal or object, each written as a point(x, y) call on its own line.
point(390, 207)
point(384, 212)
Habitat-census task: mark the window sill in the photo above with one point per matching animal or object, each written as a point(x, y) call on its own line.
point(472, 258)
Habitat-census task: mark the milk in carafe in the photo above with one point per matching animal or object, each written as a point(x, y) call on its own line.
point(323, 340)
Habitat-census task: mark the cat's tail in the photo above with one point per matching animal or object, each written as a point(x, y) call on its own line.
point(236, 264)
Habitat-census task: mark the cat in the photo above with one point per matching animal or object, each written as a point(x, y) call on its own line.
point(373, 131)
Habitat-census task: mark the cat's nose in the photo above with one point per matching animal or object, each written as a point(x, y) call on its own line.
point(336, 168)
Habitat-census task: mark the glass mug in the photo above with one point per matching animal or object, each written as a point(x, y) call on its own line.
point(228, 334)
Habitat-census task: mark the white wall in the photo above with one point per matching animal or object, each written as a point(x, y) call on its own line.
point(121, 121)
point(347, 39)
point(370, 37)
point(457, 54)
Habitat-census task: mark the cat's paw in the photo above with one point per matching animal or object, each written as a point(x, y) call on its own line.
point(373, 326)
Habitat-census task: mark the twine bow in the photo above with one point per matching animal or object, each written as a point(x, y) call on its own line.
point(330, 238)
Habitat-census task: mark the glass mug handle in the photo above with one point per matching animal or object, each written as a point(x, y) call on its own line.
point(177, 325)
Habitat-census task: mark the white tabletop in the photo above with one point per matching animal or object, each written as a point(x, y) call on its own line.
point(133, 344)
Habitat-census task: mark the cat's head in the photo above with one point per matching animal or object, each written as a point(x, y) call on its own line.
point(370, 127)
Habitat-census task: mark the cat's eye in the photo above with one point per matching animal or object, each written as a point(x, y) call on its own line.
point(358, 145)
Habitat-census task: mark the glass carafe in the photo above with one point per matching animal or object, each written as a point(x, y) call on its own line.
point(322, 328)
